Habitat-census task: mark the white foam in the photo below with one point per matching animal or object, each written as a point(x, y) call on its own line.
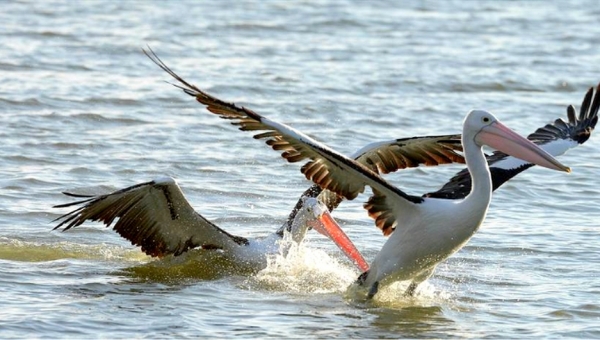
point(306, 270)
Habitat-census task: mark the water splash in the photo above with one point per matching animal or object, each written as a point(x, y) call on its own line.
point(305, 270)
point(393, 296)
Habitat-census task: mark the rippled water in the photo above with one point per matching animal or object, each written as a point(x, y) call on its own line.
point(84, 110)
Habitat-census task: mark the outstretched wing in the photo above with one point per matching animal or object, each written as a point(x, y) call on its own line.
point(325, 167)
point(153, 215)
point(555, 138)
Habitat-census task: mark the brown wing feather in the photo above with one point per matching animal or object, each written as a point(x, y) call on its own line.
point(153, 215)
point(378, 209)
point(325, 173)
point(390, 156)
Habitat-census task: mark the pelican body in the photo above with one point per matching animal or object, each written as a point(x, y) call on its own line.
point(384, 157)
point(435, 228)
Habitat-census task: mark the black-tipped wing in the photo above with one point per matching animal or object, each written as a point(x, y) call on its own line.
point(153, 215)
point(555, 138)
point(325, 167)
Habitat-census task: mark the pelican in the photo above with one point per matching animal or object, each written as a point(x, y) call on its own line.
point(384, 157)
point(157, 217)
point(427, 230)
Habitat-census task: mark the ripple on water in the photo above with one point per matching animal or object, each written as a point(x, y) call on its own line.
point(29, 102)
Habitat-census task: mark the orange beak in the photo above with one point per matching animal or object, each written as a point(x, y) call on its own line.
point(330, 228)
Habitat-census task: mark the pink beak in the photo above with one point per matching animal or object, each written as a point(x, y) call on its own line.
point(500, 137)
point(330, 228)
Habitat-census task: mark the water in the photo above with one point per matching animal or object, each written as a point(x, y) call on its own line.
point(84, 110)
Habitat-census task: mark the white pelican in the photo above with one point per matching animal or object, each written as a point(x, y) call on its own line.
point(384, 157)
point(157, 217)
point(428, 229)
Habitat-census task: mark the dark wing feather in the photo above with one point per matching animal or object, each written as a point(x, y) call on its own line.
point(555, 138)
point(153, 215)
point(325, 167)
point(390, 156)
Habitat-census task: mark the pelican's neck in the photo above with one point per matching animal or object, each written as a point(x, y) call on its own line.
point(481, 181)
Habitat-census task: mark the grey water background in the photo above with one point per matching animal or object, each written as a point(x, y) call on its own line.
point(84, 110)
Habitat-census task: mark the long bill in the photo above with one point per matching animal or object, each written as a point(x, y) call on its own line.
point(331, 229)
point(500, 137)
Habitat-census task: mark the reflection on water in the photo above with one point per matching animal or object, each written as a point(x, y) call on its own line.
point(27, 251)
point(195, 264)
point(411, 321)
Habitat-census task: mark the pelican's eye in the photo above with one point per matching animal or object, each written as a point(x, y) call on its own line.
point(485, 119)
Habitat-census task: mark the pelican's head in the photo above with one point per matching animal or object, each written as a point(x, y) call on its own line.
point(314, 214)
point(477, 120)
point(483, 128)
point(307, 217)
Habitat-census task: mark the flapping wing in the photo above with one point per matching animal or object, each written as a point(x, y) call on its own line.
point(153, 215)
point(555, 138)
point(325, 167)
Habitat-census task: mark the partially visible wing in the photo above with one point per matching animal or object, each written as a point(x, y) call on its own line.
point(389, 156)
point(327, 168)
point(555, 138)
point(154, 215)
